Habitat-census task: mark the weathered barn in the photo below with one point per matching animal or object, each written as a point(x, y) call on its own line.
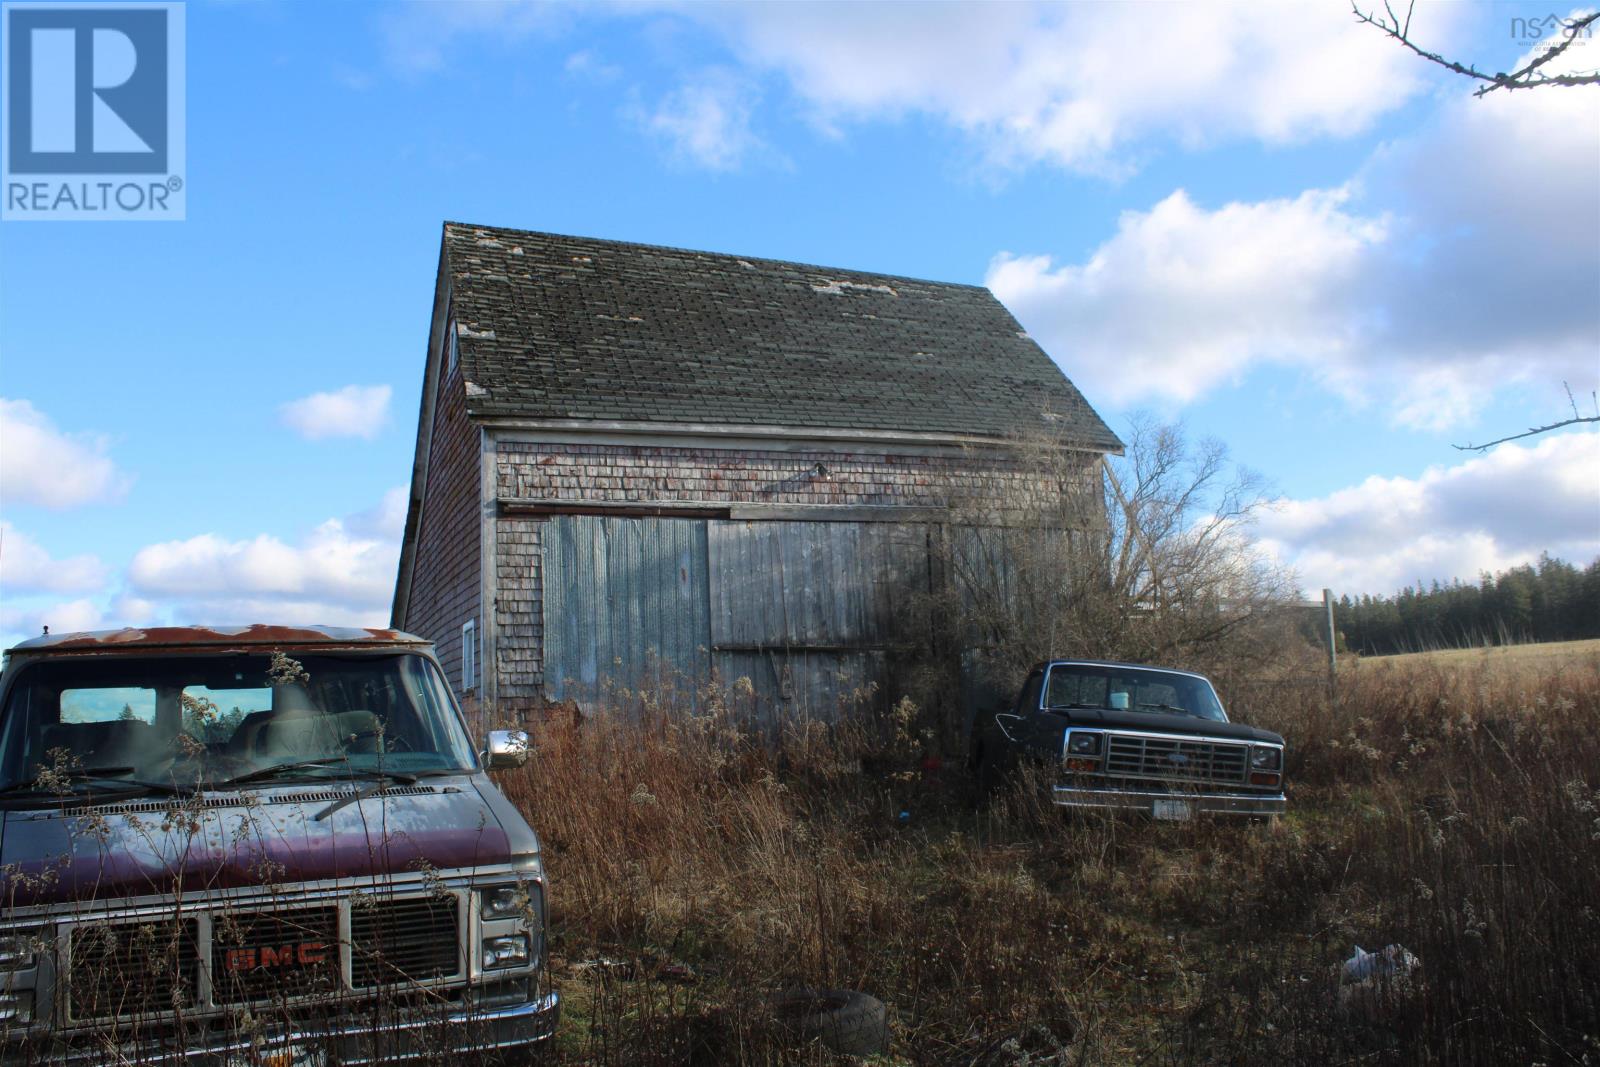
point(633, 461)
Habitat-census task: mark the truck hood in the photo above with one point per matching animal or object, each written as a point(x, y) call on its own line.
point(215, 841)
point(1165, 723)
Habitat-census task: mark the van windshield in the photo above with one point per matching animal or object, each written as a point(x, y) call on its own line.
point(206, 721)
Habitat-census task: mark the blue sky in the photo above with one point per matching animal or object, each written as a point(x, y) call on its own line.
point(1266, 221)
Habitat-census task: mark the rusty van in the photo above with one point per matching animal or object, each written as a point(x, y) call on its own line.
point(258, 845)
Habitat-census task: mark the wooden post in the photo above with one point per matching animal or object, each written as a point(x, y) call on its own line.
point(1333, 647)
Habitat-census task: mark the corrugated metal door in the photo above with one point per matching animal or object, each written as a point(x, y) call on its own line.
point(625, 607)
point(809, 611)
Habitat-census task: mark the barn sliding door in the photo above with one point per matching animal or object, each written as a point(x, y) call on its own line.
point(810, 612)
point(625, 608)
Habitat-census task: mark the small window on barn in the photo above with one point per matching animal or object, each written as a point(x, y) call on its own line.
point(469, 655)
point(452, 345)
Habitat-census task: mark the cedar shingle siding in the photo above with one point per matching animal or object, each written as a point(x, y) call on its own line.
point(444, 584)
point(651, 411)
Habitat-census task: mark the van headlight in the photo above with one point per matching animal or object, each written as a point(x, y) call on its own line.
point(16, 1008)
point(511, 950)
point(18, 950)
point(502, 902)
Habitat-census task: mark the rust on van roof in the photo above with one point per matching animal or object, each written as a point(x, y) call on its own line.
point(138, 639)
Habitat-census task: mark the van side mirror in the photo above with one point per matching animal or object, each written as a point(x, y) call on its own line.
point(507, 748)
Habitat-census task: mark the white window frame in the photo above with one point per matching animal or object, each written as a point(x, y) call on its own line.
point(469, 655)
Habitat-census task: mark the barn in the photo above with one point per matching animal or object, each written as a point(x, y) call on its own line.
point(639, 466)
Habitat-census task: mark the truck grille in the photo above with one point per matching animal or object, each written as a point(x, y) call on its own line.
point(1173, 760)
point(130, 969)
point(396, 941)
point(274, 954)
point(139, 969)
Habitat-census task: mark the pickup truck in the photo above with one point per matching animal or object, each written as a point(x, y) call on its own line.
point(258, 845)
point(1131, 737)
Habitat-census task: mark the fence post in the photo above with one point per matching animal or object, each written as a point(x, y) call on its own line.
point(1333, 643)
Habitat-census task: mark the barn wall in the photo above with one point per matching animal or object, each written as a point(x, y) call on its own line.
point(446, 573)
point(582, 474)
point(623, 473)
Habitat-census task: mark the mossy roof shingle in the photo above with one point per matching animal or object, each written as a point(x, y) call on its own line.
point(556, 327)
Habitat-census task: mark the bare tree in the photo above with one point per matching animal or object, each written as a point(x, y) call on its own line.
point(1147, 558)
point(1534, 431)
point(1530, 76)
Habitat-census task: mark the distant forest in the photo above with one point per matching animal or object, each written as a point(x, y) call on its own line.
point(1553, 601)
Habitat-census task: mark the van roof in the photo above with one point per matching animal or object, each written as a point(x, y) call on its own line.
point(136, 639)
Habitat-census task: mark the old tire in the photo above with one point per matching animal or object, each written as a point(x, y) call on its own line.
point(847, 1022)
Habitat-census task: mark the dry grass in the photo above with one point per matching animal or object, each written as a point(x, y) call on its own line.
point(1556, 654)
point(1452, 808)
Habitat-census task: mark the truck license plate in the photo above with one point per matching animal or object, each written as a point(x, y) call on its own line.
point(1173, 810)
point(282, 1056)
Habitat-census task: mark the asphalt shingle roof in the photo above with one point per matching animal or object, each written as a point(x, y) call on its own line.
point(577, 328)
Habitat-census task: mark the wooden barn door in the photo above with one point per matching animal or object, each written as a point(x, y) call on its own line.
point(625, 609)
point(810, 611)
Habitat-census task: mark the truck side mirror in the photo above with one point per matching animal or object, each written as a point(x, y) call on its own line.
point(507, 748)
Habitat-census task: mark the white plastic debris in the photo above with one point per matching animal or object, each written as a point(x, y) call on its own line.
point(1390, 962)
point(1371, 982)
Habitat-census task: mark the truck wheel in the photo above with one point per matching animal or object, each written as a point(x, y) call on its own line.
point(847, 1022)
point(989, 779)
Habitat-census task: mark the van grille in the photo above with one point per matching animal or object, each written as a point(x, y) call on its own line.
point(396, 941)
point(1173, 760)
point(130, 969)
point(274, 954)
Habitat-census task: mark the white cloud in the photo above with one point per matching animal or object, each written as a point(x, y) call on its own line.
point(588, 65)
point(1084, 86)
point(1088, 87)
point(63, 617)
point(26, 567)
point(1182, 298)
point(354, 411)
point(39, 464)
point(706, 121)
point(342, 572)
point(387, 521)
point(1455, 263)
point(1484, 514)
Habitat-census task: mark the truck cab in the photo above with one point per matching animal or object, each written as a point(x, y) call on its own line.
point(258, 845)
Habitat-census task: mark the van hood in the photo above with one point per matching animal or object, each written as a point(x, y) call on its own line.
point(1164, 723)
point(217, 841)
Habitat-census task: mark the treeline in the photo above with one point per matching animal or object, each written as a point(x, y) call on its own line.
point(1552, 601)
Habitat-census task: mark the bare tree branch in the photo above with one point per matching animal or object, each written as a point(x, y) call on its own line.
point(1533, 431)
point(1527, 77)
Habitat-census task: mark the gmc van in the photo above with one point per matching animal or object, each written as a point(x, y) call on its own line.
point(261, 845)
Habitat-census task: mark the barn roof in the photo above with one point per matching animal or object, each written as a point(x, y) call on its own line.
point(556, 327)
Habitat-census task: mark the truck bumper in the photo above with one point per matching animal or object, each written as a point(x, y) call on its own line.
point(434, 1035)
point(1163, 804)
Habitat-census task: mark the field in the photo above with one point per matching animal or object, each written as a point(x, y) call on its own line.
point(1447, 803)
point(1551, 654)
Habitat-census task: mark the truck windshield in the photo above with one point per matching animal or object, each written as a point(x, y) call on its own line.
point(207, 720)
point(1084, 685)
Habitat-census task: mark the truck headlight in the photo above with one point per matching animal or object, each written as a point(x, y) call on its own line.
point(1083, 744)
point(1266, 759)
point(513, 950)
point(16, 1007)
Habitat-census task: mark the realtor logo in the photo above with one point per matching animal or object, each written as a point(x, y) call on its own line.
point(94, 108)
